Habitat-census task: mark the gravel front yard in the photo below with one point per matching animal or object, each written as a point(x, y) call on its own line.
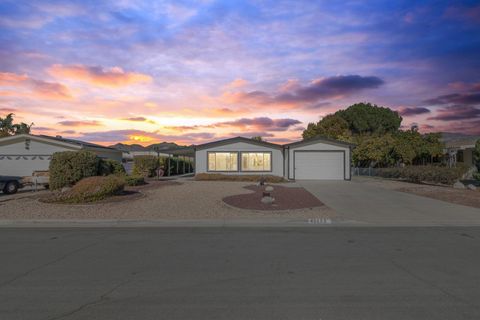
point(166, 200)
point(448, 194)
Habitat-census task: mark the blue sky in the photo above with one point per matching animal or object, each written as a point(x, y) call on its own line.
point(195, 71)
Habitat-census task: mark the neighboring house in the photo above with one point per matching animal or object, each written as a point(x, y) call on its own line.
point(129, 155)
point(21, 155)
point(313, 159)
point(460, 151)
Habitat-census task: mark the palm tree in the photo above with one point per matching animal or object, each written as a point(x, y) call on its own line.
point(8, 128)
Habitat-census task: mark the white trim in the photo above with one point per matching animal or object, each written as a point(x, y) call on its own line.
point(37, 138)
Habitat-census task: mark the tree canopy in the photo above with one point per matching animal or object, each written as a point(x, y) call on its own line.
point(370, 118)
point(376, 132)
point(9, 128)
point(331, 126)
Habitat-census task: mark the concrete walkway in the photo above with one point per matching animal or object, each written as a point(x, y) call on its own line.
point(366, 204)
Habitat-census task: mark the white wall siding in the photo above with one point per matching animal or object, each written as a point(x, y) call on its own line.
point(18, 160)
point(277, 157)
point(35, 148)
point(319, 146)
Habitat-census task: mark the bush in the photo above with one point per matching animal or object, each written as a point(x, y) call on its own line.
point(432, 174)
point(145, 166)
point(68, 167)
point(110, 166)
point(134, 180)
point(250, 177)
point(476, 176)
point(91, 189)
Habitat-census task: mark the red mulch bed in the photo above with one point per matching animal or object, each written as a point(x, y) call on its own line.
point(285, 199)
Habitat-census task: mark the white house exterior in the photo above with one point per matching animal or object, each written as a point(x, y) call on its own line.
point(21, 155)
point(313, 159)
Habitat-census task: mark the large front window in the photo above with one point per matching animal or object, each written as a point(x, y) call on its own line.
point(222, 161)
point(256, 161)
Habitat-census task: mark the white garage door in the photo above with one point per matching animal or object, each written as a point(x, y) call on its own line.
point(312, 165)
point(22, 166)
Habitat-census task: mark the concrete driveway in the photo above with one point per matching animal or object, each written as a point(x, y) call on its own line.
point(365, 204)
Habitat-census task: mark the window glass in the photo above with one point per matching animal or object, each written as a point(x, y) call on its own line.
point(222, 161)
point(256, 161)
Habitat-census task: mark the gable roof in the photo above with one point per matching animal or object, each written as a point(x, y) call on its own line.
point(320, 139)
point(69, 143)
point(235, 140)
point(77, 142)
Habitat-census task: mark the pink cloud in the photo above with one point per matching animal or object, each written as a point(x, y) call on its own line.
point(39, 88)
point(113, 77)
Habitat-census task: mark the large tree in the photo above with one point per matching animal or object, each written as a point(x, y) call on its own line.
point(370, 118)
point(9, 128)
point(376, 132)
point(331, 126)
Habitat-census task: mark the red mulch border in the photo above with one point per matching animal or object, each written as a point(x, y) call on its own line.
point(286, 198)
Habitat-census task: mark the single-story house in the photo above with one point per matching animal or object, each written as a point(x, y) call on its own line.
point(461, 151)
point(318, 158)
point(21, 155)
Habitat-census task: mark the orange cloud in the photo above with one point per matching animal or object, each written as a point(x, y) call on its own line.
point(113, 77)
point(8, 78)
point(50, 90)
point(237, 83)
point(35, 87)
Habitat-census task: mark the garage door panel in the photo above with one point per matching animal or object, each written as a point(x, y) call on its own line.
point(314, 165)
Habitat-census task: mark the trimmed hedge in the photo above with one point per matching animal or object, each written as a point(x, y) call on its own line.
point(110, 166)
point(91, 189)
point(68, 167)
point(432, 174)
point(145, 166)
point(134, 180)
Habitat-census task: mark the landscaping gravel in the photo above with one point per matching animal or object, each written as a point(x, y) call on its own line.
point(186, 199)
point(464, 196)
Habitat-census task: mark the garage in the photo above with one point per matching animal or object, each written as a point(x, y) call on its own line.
point(319, 165)
point(21, 155)
point(318, 158)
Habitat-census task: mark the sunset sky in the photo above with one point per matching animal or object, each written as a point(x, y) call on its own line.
point(197, 71)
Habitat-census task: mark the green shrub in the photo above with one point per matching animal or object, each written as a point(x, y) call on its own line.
point(134, 180)
point(432, 174)
point(68, 167)
point(145, 166)
point(476, 176)
point(91, 189)
point(110, 166)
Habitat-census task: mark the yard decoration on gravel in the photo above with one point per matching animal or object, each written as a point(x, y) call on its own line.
point(286, 198)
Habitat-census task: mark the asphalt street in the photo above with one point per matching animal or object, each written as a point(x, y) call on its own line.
point(240, 273)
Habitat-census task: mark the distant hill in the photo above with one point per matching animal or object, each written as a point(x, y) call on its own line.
point(137, 147)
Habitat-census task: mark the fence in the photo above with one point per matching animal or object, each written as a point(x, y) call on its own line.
point(357, 171)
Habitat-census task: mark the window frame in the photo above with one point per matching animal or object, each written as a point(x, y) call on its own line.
point(253, 171)
point(224, 171)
